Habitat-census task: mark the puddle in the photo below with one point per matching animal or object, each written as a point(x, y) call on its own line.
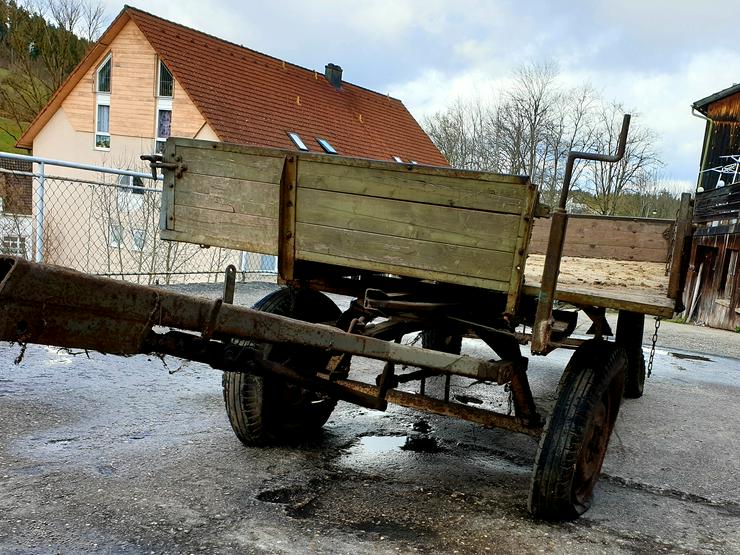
point(382, 444)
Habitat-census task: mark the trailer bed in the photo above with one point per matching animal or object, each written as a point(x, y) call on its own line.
point(617, 284)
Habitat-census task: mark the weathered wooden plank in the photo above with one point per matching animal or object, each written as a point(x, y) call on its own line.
point(228, 195)
point(407, 271)
point(287, 220)
point(220, 163)
point(642, 302)
point(612, 238)
point(524, 234)
point(220, 229)
point(346, 246)
point(681, 247)
point(502, 197)
point(425, 222)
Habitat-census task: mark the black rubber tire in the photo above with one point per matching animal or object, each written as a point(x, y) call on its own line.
point(634, 383)
point(267, 409)
point(442, 340)
point(577, 432)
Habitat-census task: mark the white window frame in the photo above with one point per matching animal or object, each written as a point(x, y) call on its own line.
point(138, 245)
point(129, 197)
point(14, 245)
point(164, 104)
point(111, 238)
point(159, 80)
point(102, 99)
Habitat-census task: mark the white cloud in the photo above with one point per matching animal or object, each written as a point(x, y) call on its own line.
point(655, 57)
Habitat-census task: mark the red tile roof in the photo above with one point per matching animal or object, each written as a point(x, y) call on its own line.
point(251, 98)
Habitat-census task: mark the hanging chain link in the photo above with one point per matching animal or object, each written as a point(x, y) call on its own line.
point(671, 241)
point(652, 347)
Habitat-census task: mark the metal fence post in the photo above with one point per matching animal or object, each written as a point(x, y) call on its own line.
point(40, 193)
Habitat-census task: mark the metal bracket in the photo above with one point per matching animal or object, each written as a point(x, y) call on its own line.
point(156, 162)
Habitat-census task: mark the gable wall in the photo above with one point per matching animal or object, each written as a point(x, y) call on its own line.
point(133, 108)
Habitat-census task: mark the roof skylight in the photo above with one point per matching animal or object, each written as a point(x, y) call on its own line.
point(297, 141)
point(326, 146)
point(398, 159)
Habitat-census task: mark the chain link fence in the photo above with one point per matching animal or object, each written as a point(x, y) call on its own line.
point(104, 222)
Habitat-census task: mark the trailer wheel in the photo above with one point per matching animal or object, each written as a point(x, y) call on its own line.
point(575, 438)
point(634, 385)
point(443, 340)
point(264, 409)
point(630, 327)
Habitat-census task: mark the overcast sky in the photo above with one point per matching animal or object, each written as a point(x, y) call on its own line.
point(654, 56)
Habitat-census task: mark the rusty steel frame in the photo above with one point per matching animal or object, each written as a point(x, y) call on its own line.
point(56, 306)
point(61, 307)
point(543, 323)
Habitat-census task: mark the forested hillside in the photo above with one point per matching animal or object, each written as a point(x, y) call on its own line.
point(40, 44)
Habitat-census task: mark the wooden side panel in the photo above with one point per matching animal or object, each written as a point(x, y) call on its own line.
point(132, 88)
point(223, 199)
point(79, 105)
point(187, 121)
point(425, 222)
point(502, 196)
point(607, 237)
point(133, 77)
point(449, 228)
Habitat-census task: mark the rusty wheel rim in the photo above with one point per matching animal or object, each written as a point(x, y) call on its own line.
point(593, 450)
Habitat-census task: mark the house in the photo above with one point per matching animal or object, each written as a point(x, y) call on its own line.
point(16, 212)
point(148, 78)
point(712, 291)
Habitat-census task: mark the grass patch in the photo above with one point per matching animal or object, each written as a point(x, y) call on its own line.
point(7, 143)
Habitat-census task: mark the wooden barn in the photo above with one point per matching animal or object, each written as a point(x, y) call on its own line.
point(712, 291)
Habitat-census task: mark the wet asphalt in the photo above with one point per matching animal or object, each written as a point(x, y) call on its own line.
point(104, 454)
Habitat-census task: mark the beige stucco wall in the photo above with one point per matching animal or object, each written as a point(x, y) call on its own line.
point(78, 215)
point(69, 134)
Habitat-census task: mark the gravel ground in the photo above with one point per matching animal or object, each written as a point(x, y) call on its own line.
point(105, 454)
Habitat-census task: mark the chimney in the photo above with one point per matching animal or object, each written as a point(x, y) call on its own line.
point(333, 74)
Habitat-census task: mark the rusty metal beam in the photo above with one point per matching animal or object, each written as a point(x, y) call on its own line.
point(486, 418)
point(51, 305)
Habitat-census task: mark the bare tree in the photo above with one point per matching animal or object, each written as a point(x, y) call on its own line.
point(606, 182)
point(45, 39)
point(531, 129)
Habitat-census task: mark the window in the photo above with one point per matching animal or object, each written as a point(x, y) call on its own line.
point(130, 193)
point(165, 82)
point(102, 105)
point(115, 235)
point(164, 128)
point(297, 141)
point(102, 126)
point(138, 238)
point(14, 244)
point(398, 159)
point(103, 77)
point(326, 146)
point(163, 123)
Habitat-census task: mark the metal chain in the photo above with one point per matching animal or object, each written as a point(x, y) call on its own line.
point(652, 348)
point(671, 242)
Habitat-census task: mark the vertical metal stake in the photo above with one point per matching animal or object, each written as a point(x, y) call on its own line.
point(40, 193)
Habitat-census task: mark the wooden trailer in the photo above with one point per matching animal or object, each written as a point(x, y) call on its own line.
point(437, 251)
point(444, 252)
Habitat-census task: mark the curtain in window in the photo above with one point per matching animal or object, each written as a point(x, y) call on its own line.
point(164, 124)
point(103, 118)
